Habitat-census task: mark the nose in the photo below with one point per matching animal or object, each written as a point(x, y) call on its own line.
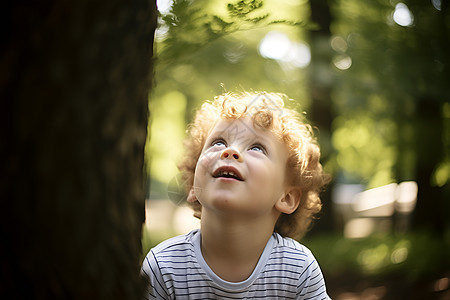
point(231, 153)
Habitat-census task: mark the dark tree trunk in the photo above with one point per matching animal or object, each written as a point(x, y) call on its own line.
point(74, 86)
point(430, 212)
point(321, 114)
point(431, 131)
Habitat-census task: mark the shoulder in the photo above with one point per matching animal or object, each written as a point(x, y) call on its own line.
point(310, 284)
point(178, 243)
point(289, 254)
point(289, 246)
point(295, 257)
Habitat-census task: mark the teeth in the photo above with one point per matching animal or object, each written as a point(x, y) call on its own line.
point(228, 173)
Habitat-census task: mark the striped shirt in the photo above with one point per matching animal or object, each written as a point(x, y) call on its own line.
point(286, 269)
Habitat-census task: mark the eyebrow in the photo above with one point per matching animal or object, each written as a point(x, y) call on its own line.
point(263, 138)
point(214, 137)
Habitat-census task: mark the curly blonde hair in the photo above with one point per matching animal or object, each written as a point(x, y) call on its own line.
point(267, 112)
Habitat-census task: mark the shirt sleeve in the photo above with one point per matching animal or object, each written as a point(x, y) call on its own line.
point(156, 288)
point(311, 283)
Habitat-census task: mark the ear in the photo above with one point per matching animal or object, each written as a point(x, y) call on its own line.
point(291, 200)
point(191, 198)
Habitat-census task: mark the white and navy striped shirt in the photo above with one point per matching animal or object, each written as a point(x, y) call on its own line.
point(286, 269)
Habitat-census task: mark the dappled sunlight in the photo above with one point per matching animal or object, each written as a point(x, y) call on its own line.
point(361, 213)
point(162, 30)
point(167, 133)
point(342, 62)
point(376, 202)
point(277, 45)
point(374, 258)
point(163, 6)
point(359, 227)
point(399, 255)
point(339, 44)
point(402, 15)
point(437, 4)
point(381, 256)
point(406, 197)
point(441, 175)
point(365, 149)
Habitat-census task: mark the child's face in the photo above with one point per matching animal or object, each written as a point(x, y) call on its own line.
point(241, 169)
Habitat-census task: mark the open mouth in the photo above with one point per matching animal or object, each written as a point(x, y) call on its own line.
point(227, 172)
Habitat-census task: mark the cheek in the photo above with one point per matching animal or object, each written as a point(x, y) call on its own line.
point(199, 173)
point(198, 183)
point(261, 178)
point(204, 167)
point(272, 177)
point(206, 160)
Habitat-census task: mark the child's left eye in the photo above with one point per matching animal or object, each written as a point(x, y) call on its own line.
point(219, 143)
point(258, 148)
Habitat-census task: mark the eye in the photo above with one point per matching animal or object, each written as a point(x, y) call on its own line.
point(218, 143)
point(258, 148)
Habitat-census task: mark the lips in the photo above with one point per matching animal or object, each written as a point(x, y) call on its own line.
point(227, 172)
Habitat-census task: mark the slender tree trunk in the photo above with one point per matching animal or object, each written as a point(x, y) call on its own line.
point(430, 212)
point(433, 45)
point(74, 86)
point(321, 112)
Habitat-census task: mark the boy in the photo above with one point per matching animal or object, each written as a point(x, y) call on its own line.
point(253, 178)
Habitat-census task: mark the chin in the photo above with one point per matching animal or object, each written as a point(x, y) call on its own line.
point(223, 203)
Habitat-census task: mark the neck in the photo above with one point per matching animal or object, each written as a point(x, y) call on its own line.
point(232, 247)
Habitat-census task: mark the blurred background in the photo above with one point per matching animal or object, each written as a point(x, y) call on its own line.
point(373, 78)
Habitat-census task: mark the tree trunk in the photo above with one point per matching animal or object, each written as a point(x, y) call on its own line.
point(321, 113)
point(74, 86)
point(430, 212)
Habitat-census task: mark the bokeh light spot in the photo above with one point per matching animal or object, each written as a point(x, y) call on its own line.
point(276, 45)
point(342, 62)
point(402, 15)
point(437, 4)
point(338, 44)
point(164, 6)
point(399, 255)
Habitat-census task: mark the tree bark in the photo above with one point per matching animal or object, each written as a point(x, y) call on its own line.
point(321, 107)
point(430, 212)
point(74, 86)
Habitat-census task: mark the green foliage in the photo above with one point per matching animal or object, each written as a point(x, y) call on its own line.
point(242, 8)
point(415, 255)
point(364, 146)
point(191, 26)
point(403, 68)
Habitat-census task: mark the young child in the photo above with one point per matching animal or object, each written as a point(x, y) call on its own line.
point(253, 178)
